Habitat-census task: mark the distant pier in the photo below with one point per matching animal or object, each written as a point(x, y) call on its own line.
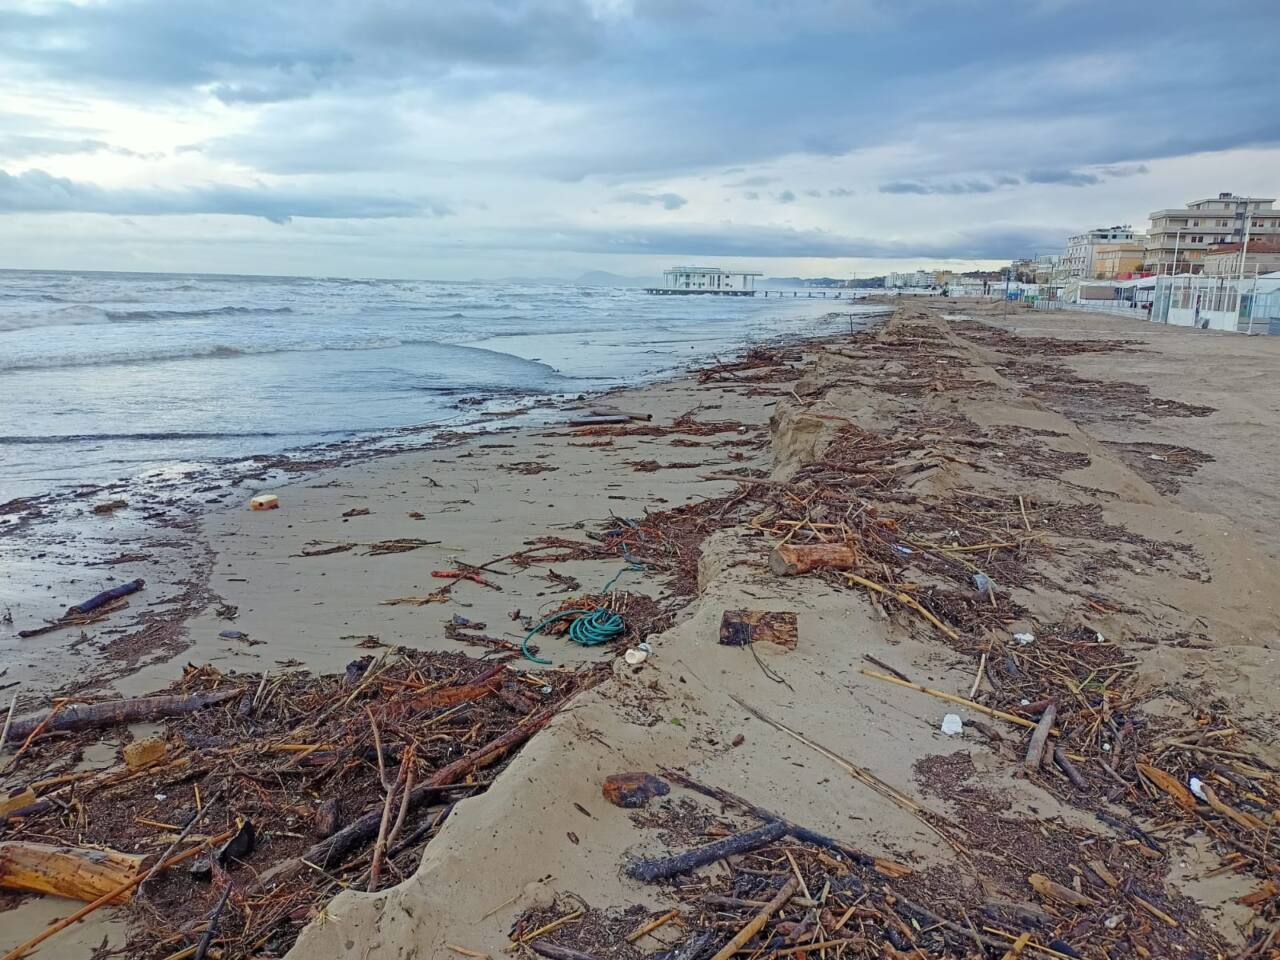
point(674, 292)
point(678, 292)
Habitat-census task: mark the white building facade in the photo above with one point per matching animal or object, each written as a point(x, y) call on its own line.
point(1078, 261)
point(709, 280)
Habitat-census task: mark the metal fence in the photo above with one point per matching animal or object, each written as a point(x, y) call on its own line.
point(1258, 314)
point(1119, 308)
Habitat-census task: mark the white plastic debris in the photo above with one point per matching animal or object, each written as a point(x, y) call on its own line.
point(1197, 787)
point(638, 654)
point(1112, 922)
point(1024, 638)
point(952, 724)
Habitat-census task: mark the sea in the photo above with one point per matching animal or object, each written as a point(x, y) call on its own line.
point(111, 376)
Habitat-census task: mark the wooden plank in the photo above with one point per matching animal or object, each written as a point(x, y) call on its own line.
point(741, 627)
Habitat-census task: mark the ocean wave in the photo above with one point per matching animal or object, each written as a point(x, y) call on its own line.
point(130, 316)
point(77, 314)
point(231, 351)
point(159, 435)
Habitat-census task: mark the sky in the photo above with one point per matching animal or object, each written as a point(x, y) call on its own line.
point(457, 139)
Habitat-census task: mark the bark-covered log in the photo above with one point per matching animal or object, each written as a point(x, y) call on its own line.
point(106, 596)
point(792, 559)
point(87, 716)
point(651, 871)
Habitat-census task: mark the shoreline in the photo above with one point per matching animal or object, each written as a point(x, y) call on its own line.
point(56, 547)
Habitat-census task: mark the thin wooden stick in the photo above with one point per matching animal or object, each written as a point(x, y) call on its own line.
point(380, 847)
point(757, 922)
point(1035, 749)
point(394, 835)
point(548, 927)
point(903, 599)
point(977, 678)
point(860, 774)
point(8, 720)
point(195, 818)
point(24, 948)
point(35, 732)
point(652, 925)
point(952, 698)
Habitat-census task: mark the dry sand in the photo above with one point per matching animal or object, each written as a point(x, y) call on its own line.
point(543, 828)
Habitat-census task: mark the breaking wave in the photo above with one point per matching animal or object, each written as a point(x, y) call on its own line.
point(74, 315)
point(81, 314)
point(130, 316)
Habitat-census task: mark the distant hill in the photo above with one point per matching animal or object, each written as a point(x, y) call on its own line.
point(602, 278)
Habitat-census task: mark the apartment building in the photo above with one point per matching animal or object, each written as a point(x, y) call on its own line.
point(1178, 239)
point(1078, 261)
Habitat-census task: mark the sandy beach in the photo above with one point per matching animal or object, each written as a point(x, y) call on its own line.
point(1042, 508)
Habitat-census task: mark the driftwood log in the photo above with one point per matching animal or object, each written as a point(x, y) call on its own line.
point(106, 596)
point(1039, 739)
point(598, 421)
point(888, 868)
point(615, 412)
point(793, 559)
point(75, 872)
point(87, 716)
point(651, 871)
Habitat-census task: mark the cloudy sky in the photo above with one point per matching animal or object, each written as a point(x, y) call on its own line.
point(488, 138)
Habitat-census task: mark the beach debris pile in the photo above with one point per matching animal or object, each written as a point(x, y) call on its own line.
point(752, 883)
point(261, 795)
point(761, 364)
point(934, 520)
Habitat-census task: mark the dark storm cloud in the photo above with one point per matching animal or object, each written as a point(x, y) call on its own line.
point(744, 240)
point(1124, 170)
point(247, 51)
point(36, 191)
point(736, 83)
point(1068, 178)
point(668, 201)
point(914, 186)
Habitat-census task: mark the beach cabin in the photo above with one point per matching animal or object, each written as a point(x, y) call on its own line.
point(687, 280)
